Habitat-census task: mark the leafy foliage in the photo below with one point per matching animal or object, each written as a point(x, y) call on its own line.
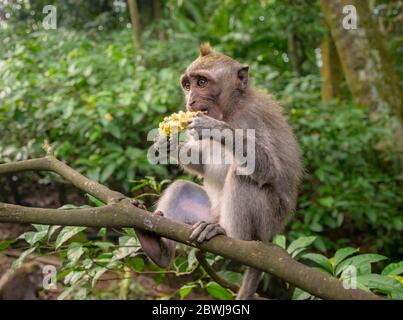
point(95, 96)
point(355, 271)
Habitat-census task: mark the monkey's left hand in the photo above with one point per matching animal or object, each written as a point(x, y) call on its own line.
point(201, 121)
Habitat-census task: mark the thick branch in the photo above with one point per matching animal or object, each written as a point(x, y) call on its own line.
point(122, 213)
point(50, 163)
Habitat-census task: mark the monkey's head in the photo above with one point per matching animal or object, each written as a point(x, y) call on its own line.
point(212, 81)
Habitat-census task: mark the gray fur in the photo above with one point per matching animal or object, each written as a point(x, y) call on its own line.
point(253, 207)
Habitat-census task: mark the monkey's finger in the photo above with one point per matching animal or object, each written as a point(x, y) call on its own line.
point(197, 224)
point(205, 232)
point(196, 232)
point(217, 230)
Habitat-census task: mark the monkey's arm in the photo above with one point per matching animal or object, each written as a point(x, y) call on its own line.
point(255, 156)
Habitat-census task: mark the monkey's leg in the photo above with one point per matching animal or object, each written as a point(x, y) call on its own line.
point(249, 285)
point(183, 201)
point(245, 215)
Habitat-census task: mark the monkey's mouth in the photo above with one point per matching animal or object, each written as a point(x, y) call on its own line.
point(204, 110)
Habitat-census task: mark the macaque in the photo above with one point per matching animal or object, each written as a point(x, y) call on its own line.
point(252, 206)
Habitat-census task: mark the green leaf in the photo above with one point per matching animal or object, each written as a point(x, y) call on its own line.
point(73, 277)
point(128, 246)
point(101, 232)
point(301, 242)
point(74, 252)
point(33, 237)
point(52, 230)
point(217, 291)
point(379, 282)
point(181, 264)
point(66, 233)
point(397, 278)
point(137, 263)
point(343, 253)
point(397, 294)
point(5, 244)
point(94, 200)
point(326, 202)
point(114, 130)
point(297, 252)
point(185, 290)
point(192, 260)
point(129, 231)
point(279, 240)
point(359, 261)
point(103, 244)
point(299, 294)
point(393, 268)
point(107, 172)
point(230, 276)
point(99, 272)
point(40, 227)
point(320, 260)
point(87, 263)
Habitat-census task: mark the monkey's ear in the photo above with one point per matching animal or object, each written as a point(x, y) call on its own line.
point(205, 49)
point(243, 77)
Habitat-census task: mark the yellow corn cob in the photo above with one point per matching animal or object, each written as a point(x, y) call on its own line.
point(176, 122)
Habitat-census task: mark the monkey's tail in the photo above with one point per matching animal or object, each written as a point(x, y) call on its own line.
point(250, 283)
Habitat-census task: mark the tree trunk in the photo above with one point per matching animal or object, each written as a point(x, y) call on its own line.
point(296, 53)
point(136, 25)
point(367, 65)
point(331, 71)
point(157, 10)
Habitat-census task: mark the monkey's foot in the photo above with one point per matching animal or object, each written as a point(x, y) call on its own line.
point(151, 242)
point(202, 231)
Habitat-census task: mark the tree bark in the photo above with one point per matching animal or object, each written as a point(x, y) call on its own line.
point(119, 212)
point(331, 71)
point(368, 66)
point(296, 53)
point(136, 24)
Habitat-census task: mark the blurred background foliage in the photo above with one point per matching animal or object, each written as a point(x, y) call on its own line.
point(94, 93)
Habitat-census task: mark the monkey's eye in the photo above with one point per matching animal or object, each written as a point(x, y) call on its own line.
point(201, 82)
point(186, 85)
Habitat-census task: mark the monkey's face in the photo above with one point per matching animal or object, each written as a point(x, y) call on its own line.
point(210, 83)
point(203, 90)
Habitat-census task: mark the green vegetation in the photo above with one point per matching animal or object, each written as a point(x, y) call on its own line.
point(95, 97)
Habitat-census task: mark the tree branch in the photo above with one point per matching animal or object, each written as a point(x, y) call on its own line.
point(201, 257)
point(50, 163)
point(121, 213)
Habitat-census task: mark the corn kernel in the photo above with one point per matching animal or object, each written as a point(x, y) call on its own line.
point(176, 122)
